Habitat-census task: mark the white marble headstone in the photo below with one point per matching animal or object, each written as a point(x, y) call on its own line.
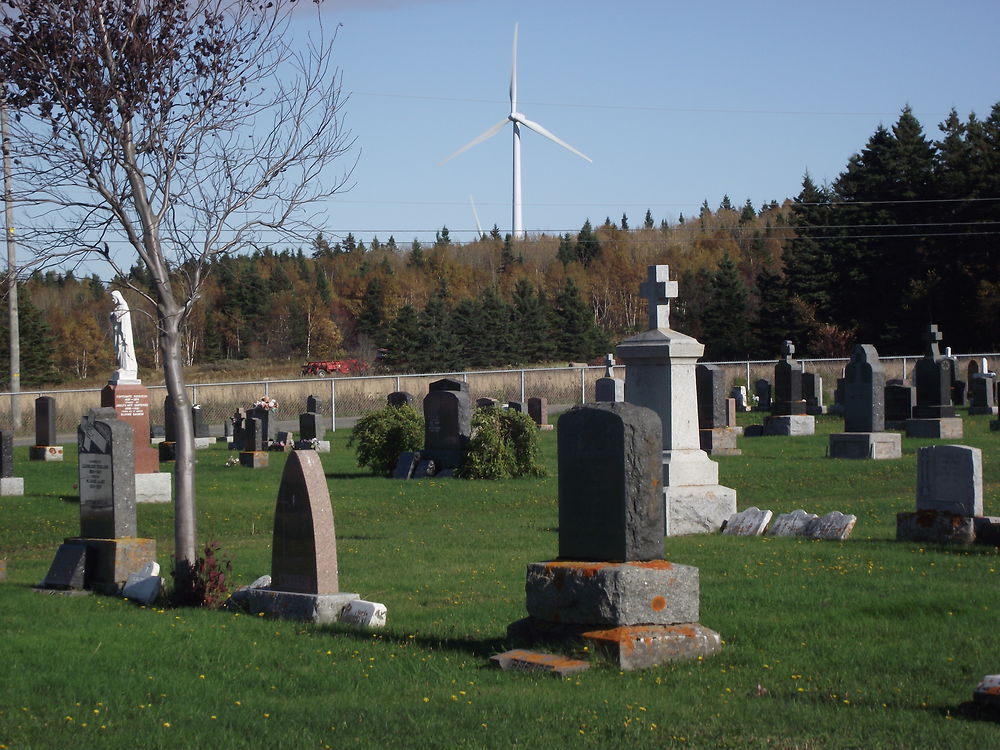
point(833, 526)
point(796, 523)
point(749, 522)
point(364, 614)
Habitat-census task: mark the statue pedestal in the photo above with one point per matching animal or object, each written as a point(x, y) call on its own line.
point(131, 404)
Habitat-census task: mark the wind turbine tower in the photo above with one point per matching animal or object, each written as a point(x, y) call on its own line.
point(517, 119)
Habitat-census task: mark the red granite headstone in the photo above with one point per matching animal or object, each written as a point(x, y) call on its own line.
point(131, 403)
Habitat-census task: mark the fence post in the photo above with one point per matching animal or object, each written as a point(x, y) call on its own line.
point(583, 387)
point(333, 404)
point(522, 387)
point(398, 384)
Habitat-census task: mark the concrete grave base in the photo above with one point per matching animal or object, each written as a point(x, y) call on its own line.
point(167, 450)
point(974, 410)
point(942, 527)
point(627, 647)
point(946, 427)
point(607, 594)
point(862, 445)
point(153, 488)
point(288, 605)
point(45, 453)
point(254, 459)
point(790, 425)
point(321, 446)
point(697, 509)
point(12, 486)
point(110, 562)
point(719, 442)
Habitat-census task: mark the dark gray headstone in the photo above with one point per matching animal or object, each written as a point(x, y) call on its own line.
point(253, 435)
point(486, 403)
point(710, 381)
point(307, 426)
point(405, 464)
point(864, 391)
point(264, 415)
point(312, 404)
point(107, 476)
point(610, 487)
point(899, 402)
point(933, 376)
point(169, 420)
point(68, 569)
point(538, 410)
point(201, 429)
point(812, 392)
point(45, 421)
point(983, 399)
point(514, 406)
point(762, 389)
point(447, 423)
point(6, 453)
point(400, 398)
point(787, 397)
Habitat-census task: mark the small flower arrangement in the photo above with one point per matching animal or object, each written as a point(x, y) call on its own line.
point(266, 403)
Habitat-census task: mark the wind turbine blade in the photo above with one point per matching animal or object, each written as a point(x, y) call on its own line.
point(477, 140)
point(513, 74)
point(475, 216)
point(555, 139)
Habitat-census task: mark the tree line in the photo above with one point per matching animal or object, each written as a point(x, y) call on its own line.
point(904, 236)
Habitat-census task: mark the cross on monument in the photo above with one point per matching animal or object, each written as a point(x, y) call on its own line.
point(658, 290)
point(932, 336)
point(787, 349)
point(609, 365)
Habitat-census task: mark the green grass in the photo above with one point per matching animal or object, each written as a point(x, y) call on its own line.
point(863, 643)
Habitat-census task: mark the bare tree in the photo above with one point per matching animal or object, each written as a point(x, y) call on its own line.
point(175, 131)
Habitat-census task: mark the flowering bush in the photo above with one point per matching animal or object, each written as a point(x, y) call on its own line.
point(266, 403)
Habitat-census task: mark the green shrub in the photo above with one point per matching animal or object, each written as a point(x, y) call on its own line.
point(504, 445)
point(380, 436)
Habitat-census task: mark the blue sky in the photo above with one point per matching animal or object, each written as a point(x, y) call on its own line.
point(675, 103)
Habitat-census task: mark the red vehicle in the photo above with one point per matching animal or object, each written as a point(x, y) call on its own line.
point(330, 367)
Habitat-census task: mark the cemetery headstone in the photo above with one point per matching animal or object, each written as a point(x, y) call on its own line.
point(538, 410)
point(264, 416)
point(739, 394)
point(305, 583)
point(796, 523)
point(812, 393)
point(144, 586)
point(762, 389)
point(514, 406)
point(660, 375)
point(610, 586)
point(201, 428)
point(364, 614)
point(715, 433)
point(864, 411)
point(983, 394)
point(46, 447)
point(933, 414)
point(834, 526)
point(447, 423)
point(609, 388)
point(749, 522)
point(788, 407)
point(400, 398)
point(169, 420)
point(900, 398)
point(312, 404)
point(486, 403)
point(9, 484)
point(254, 454)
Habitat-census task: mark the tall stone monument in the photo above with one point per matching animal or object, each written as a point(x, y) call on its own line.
point(660, 375)
point(864, 411)
point(933, 414)
point(788, 407)
point(107, 550)
point(46, 447)
point(305, 583)
point(126, 394)
point(610, 588)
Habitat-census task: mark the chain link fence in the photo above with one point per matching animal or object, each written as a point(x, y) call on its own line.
point(342, 399)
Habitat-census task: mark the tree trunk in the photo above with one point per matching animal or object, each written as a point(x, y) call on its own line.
point(185, 526)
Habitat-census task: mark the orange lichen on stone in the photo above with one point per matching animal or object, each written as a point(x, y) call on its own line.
point(652, 564)
point(586, 569)
point(658, 604)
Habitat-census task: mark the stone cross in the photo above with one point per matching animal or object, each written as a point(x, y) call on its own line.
point(787, 349)
point(932, 336)
point(609, 365)
point(658, 290)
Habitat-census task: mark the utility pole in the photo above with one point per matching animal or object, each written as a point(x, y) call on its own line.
point(15, 332)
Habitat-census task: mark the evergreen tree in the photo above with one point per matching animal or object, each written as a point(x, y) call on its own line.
point(321, 248)
point(416, 257)
point(533, 340)
point(725, 325)
point(810, 273)
point(437, 347)
point(588, 247)
point(648, 223)
point(507, 256)
point(391, 244)
point(566, 253)
point(747, 215)
point(498, 328)
point(727, 204)
point(36, 342)
point(400, 342)
point(577, 338)
point(624, 223)
point(372, 305)
point(442, 239)
point(773, 320)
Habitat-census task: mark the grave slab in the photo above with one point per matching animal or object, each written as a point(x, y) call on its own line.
point(153, 488)
point(644, 646)
point(790, 425)
point(68, 569)
point(145, 586)
point(322, 609)
point(522, 660)
point(749, 522)
point(796, 523)
point(697, 509)
point(834, 526)
point(364, 614)
point(11, 486)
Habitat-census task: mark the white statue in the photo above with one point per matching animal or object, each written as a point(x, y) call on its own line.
point(121, 324)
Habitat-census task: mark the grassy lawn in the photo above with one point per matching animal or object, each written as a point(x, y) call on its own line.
point(862, 643)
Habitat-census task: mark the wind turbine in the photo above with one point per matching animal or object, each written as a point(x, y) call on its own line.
point(518, 120)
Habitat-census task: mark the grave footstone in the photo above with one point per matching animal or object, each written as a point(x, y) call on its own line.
point(522, 660)
point(660, 374)
point(46, 447)
point(305, 583)
point(749, 522)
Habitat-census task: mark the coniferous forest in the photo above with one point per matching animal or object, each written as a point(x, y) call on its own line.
point(906, 235)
